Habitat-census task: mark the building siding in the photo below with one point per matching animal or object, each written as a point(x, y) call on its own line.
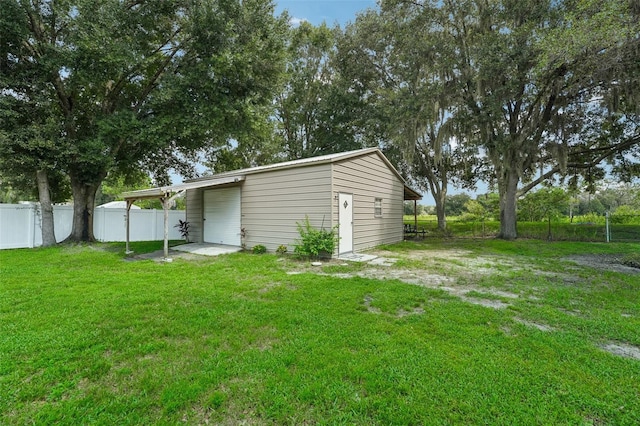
point(368, 177)
point(194, 206)
point(273, 201)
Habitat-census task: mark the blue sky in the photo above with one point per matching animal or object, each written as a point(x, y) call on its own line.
point(329, 11)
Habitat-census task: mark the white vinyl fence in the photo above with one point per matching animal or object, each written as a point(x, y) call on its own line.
point(20, 224)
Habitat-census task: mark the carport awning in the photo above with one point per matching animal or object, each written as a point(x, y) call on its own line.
point(163, 191)
point(166, 194)
point(410, 194)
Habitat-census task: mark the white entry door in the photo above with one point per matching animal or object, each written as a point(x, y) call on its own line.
point(221, 214)
point(345, 223)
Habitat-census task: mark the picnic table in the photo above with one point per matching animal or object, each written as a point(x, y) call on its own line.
point(413, 230)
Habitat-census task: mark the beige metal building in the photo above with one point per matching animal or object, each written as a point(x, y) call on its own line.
point(358, 192)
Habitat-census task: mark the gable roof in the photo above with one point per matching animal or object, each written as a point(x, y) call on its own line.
point(238, 175)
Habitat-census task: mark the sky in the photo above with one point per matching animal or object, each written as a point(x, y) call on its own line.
point(318, 11)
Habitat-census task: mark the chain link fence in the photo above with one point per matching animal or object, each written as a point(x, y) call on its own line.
point(615, 228)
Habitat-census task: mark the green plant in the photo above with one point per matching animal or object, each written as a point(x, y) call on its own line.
point(282, 249)
point(243, 235)
point(259, 249)
point(625, 215)
point(183, 226)
point(315, 242)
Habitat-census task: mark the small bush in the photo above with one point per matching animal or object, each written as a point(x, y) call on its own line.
point(259, 249)
point(315, 242)
point(625, 215)
point(183, 226)
point(588, 219)
point(282, 249)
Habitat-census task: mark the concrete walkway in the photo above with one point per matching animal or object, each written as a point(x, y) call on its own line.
point(190, 251)
point(371, 259)
point(357, 257)
point(206, 249)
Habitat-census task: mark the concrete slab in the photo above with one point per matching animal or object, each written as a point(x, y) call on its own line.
point(205, 249)
point(357, 257)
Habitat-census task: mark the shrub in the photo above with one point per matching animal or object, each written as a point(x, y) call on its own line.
point(625, 215)
point(315, 242)
point(589, 219)
point(259, 249)
point(282, 249)
point(183, 226)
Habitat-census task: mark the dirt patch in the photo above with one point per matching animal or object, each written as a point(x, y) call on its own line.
point(487, 303)
point(436, 282)
point(439, 254)
point(531, 324)
point(607, 262)
point(453, 271)
point(416, 311)
point(622, 349)
point(442, 271)
point(571, 312)
point(367, 303)
point(400, 314)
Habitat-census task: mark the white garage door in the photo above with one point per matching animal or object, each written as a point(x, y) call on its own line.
point(222, 221)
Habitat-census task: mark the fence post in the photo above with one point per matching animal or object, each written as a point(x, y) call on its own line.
point(32, 225)
point(607, 229)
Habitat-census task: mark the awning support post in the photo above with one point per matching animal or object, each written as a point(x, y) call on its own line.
point(415, 216)
point(130, 202)
point(166, 201)
point(165, 206)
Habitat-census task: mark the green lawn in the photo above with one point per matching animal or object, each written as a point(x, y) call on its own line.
point(87, 337)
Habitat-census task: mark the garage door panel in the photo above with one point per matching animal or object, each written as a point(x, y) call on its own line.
point(222, 216)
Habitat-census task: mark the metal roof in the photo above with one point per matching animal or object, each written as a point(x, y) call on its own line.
point(329, 158)
point(239, 175)
point(163, 191)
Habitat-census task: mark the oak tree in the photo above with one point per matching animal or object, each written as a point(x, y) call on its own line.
point(140, 84)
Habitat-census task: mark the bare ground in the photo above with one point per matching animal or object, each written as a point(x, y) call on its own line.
point(607, 262)
point(442, 271)
point(454, 271)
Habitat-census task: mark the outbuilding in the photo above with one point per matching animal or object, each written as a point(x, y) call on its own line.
point(359, 193)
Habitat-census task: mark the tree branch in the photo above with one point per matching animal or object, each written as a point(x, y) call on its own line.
point(154, 79)
point(606, 152)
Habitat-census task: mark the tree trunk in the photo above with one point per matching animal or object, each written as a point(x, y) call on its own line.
point(442, 218)
point(439, 191)
point(46, 209)
point(84, 196)
point(508, 205)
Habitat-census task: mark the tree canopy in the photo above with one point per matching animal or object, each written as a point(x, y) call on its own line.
point(515, 93)
point(138, 84)
point(529, 86)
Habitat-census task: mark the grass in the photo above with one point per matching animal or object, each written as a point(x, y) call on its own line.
point(88, 338)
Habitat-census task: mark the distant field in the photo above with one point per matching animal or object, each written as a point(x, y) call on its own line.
point(449, 332)
point(560, 230)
